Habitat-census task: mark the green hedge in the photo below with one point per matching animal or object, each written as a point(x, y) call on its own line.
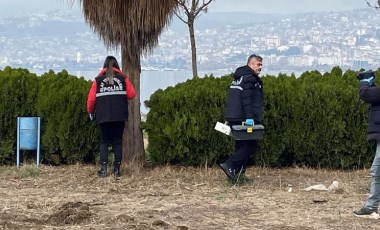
point(67, 135)
point(60, 100)
point(18, 94)
point(180, 123)
point(315, 120)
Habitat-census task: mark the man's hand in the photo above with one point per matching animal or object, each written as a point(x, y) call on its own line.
point(249, 122)
point(368, 81)
point(91, 116)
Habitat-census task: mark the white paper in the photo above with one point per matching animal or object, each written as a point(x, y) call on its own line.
point(223, 128)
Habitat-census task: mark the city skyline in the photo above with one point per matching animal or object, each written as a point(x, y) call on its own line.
point(293, 44)
point(286, 42)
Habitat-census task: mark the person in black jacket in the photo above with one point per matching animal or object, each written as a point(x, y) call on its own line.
point(370, 93)
point(107, 101)
point(244, 104)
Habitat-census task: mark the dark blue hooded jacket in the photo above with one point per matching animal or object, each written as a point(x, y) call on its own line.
point(371, 95)
point(245, 97)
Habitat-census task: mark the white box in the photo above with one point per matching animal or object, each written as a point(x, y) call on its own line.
point(223, 128)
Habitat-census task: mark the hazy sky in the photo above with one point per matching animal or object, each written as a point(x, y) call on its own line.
point(286, 6)
point(255, 6)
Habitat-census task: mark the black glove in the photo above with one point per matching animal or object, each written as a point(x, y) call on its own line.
point(91, 116)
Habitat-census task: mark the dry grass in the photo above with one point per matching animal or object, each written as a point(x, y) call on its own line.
point(73, 197)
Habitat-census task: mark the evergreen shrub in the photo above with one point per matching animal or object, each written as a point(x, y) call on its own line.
point(18, 92)
point(315, 120)
point(60, 100)
point(67, 137)
point(180, 123)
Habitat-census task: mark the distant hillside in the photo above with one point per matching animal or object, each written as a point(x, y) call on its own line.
point(217, 20)
point(22, 26)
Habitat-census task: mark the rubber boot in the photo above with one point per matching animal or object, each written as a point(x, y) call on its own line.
point(116, 169)
point(103, 169)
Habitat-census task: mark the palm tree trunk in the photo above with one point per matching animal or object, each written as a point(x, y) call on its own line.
point(133, 143)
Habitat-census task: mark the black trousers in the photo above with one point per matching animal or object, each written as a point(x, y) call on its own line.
point(244, 149)
point(111, 133)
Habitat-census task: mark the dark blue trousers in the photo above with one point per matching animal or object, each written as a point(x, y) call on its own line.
point(244, 149)
point(111, 133)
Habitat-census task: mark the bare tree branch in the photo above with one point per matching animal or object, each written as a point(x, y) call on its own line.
point(203, 7)
point(182, 4)
point(373, 6)
point(191, 9)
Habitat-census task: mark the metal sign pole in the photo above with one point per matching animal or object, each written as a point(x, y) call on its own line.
point(38, 140)
point(18, 143)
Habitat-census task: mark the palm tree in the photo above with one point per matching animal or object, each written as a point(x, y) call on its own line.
point(191, 9)
point(133, 25)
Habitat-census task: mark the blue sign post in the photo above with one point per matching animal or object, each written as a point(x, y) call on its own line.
point(28, 136)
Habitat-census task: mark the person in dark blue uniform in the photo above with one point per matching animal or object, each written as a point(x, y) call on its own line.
point(370, 93)
point(107, 101)
point(244, 104)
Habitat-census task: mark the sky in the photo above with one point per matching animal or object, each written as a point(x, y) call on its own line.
point(254, 6)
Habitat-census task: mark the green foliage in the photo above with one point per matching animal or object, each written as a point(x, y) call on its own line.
point(67, 135)
point(60, 100)
point(181, 120)
point(324, 123)
point(315, 120)
point(29, 171)
point(18, 92)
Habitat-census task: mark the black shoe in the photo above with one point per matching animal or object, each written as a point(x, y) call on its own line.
point(366, 213)
point(227, 170)
point(116, 169)
point(103, 169)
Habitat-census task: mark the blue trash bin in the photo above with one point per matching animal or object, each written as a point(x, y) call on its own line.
point(28, 136)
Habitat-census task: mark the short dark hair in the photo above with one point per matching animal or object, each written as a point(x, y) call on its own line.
point(255, 56)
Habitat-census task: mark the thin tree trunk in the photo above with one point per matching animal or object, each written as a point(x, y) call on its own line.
point(193, 48)
point(133, 143)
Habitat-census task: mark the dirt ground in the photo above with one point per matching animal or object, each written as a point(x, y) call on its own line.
point(73, 197)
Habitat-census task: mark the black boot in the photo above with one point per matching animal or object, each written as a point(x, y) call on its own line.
point(116, 168)
point(103, 169)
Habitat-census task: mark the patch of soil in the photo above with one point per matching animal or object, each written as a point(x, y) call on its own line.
point(70, 213)
point(168, 197)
